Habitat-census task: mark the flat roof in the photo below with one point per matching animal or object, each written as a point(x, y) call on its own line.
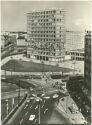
point(46, 9)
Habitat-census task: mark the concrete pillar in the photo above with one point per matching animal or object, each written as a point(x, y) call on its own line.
point(45, 58)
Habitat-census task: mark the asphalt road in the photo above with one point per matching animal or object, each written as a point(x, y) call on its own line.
point(48, 113)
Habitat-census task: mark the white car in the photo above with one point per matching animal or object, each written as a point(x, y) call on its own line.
point(55, 96)
point(46, 97)
point(28, 100)
point(32, 117)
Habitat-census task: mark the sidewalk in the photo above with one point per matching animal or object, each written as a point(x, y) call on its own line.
point(77, 117)
point(5, 60)
point(16, 113)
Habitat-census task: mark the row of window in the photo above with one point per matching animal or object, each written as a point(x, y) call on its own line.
point(46, 53)
point(46, 32)
point(46, 20)
point(38, 36)
point(45, 39)
point(41, 28)
point(77, 58)
point(77, 54)
point(43, 31)
point(46, 12)
point(40, 16)
point(43, 24)
point(51, 28)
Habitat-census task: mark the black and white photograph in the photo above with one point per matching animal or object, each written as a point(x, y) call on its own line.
point(46, 62)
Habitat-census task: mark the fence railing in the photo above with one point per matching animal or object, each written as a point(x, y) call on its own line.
point(14, 110)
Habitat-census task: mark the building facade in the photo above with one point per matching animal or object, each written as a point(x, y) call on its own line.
point(21, 43)
point(87, 62)
point(77, 55)
point(46, 34)
point(74, 40)
point(79, 87)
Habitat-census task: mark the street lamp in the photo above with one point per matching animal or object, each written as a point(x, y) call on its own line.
point(19, 93)
point(7, 106)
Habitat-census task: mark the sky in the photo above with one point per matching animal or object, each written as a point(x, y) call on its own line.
point(13, 13)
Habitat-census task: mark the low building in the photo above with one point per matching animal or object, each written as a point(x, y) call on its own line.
point(77, 55)
point(21, 43)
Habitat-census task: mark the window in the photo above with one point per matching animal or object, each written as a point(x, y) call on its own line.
point(57, 19)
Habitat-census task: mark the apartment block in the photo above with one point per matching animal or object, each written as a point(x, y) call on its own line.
point(46, 34)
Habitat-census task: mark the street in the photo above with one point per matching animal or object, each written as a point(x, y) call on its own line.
point(48, 113)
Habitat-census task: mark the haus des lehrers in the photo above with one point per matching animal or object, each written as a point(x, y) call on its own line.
point(46, 35)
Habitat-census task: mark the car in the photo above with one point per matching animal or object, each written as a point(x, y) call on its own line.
point(55, 96)
point(43, 94)
point(32, 117)
point(28, 100)
point(46, 97)
point(38, 99)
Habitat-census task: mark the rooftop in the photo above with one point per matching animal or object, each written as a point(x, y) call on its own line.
point(46, 9)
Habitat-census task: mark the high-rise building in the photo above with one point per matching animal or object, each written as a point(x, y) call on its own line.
point(46, 34)
point(87, 62)
point(74, 40)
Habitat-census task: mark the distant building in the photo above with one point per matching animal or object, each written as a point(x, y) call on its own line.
point(8, 44)
point(14, 33)
point(77, 55)
point(19, 33)
point(2, 41)
point(46, 34)
point(74, 40)
point(21, 43)
point(7, 40)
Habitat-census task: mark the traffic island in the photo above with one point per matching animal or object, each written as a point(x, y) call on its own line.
point(69, 109)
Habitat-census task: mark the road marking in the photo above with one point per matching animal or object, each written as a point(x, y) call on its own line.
point(36, 107)
point(21, 121)
point(42, 106)
point(25, 106)
point(26, 113)
point(44, 101)
point(45, 110)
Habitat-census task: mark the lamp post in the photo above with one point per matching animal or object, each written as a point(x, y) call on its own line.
point(7, 106)
point(19, 93)
point(38, 99)
point(39, 112)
